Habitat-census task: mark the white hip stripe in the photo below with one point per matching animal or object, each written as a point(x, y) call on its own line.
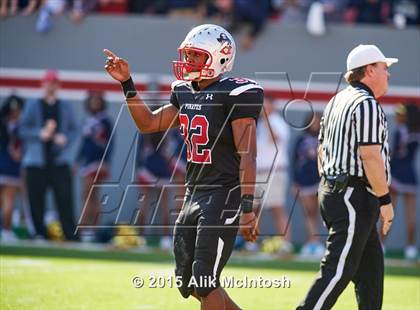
point(220, 245)
point(230, 220)
point(344, 253)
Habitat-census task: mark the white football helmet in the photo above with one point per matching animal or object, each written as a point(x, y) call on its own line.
point(216, 43)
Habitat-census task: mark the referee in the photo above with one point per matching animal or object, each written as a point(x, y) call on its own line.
point(354, 165)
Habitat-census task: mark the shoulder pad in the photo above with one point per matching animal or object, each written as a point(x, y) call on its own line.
point(177, 83)
point(237, 86)
point(243, 88)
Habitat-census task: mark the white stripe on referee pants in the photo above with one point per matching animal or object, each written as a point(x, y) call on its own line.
point(220, 244)
point(344, 253)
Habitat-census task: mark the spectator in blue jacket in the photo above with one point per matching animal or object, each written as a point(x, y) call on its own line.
point(250, 15)
point(48, 129)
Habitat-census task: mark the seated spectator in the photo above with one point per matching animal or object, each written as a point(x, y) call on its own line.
point(334, 9)
point(50, 8)
point(10, 158)
point(405, 12)
point(48, 129)
point(93, 158)
point(249, 13)
point(78, 9)
point(306, 180)
point(192, 8)
point(112, 6)
point(367, 11)
point(221, 11)
point(12, 7)
point(148, 7)
point(293, 11)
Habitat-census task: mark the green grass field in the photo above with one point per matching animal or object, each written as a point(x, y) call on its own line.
point(70, 279)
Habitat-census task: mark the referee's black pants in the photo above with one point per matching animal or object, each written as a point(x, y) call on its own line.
point(354, 252)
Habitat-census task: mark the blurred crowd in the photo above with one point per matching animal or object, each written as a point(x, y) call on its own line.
point(247, 16)
point(36, 135)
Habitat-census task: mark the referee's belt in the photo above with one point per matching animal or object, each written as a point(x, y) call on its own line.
point(339, 183)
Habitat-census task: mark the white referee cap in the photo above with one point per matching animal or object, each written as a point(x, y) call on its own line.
point(363, 55)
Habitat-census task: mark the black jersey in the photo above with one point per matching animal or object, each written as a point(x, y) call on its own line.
point(205, 123)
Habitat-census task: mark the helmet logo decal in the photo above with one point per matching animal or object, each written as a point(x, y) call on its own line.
point(224, 38)
point(227, 50)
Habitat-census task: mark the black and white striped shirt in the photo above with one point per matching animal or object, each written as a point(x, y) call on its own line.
point(352, 117)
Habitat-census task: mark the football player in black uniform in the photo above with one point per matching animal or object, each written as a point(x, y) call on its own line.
point(217, 117)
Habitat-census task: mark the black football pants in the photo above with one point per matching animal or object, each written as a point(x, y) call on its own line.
point(354, 252)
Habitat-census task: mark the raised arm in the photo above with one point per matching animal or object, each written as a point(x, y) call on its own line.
point(145, 120)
